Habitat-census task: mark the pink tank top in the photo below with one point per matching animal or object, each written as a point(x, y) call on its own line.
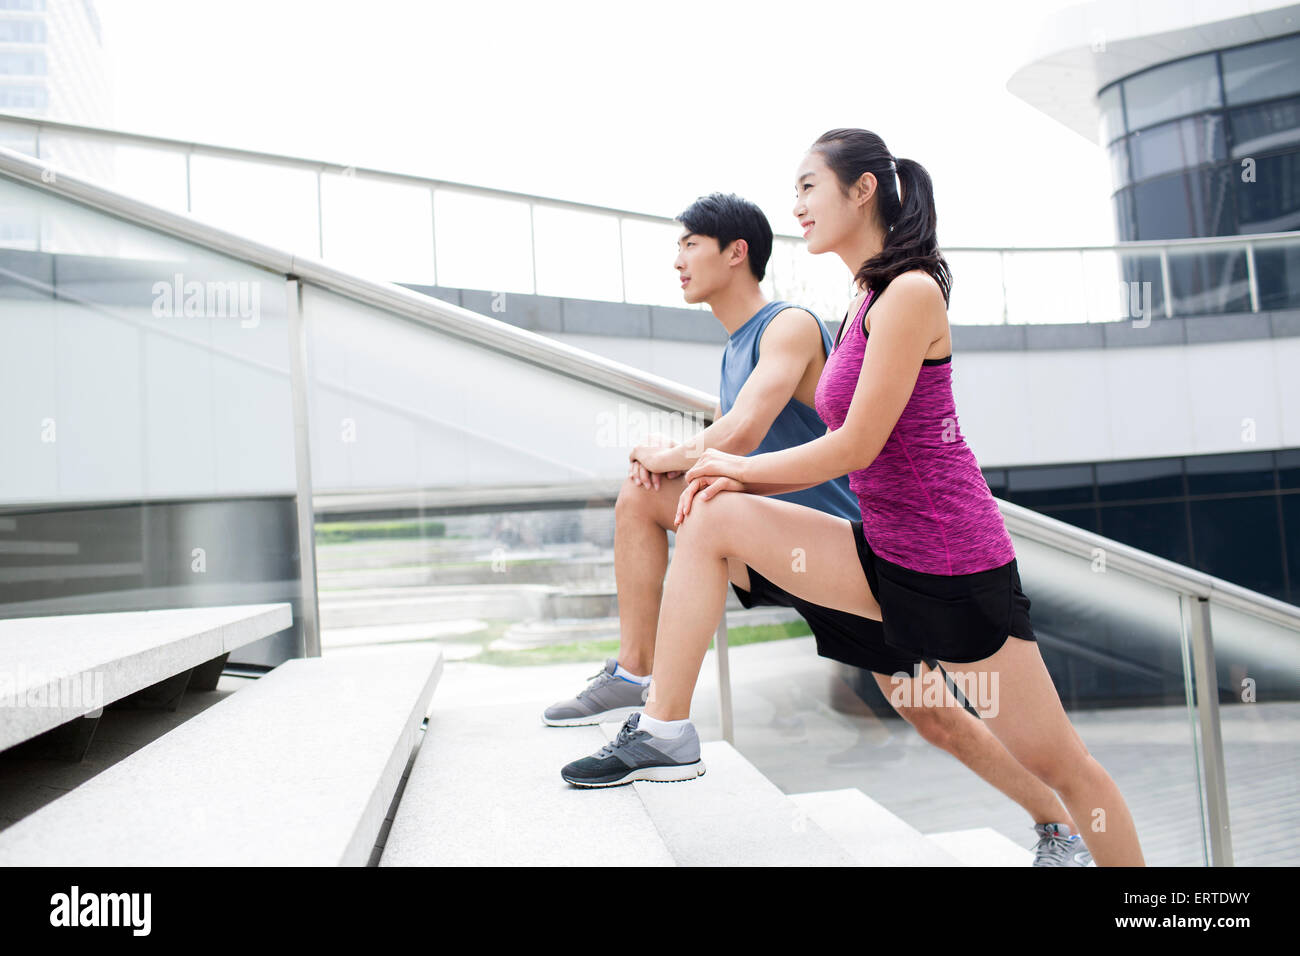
point(925, 503)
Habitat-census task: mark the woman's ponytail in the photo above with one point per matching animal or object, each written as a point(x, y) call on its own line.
point(910, 222)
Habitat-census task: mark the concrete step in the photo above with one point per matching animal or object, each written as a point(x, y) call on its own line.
point(982, 846)
point(733, 816)
point(485, 790)
point(56, 669)
point(870, 833)
point(297, 769)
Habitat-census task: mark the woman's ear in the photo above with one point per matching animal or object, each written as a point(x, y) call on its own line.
point(865, 188)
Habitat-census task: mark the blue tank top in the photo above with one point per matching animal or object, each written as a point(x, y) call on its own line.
point(796, 424)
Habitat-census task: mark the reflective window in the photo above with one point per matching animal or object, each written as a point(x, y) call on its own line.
point(1217, 474)
point(1182, 144)
point(1185, 205)
point(1118, 154)
point(1270, 200)
point(1157, 527)
point(1288, 471)
point(1124, 480)
point(1053, 485)
point(22, 64)
point(1238, 539)
point(1262, 70)
point(1291, 532)
point(1264, 128)
point(22, 31)
point(1175, 89)
point(1112, 114)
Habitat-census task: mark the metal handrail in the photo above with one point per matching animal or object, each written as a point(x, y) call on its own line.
point(193, 147)
point(624, 380)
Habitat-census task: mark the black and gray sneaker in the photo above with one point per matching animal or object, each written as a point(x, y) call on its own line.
point(607, 699)
point(1058, 847)
point(639, 755)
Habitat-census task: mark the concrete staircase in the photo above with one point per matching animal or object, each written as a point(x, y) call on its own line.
point(485, 789)
point(325, 762)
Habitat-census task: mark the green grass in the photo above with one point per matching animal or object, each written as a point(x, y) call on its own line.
point(599, 650)
point(340, 532)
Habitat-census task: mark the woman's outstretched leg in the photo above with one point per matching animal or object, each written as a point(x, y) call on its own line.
point(1025, 713)
point(805, 551)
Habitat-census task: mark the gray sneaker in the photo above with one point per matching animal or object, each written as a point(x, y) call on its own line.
point(1058, 847)
point(638, 755)
point(607, 698)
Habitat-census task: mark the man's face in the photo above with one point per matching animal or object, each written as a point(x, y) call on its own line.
point(701, 267)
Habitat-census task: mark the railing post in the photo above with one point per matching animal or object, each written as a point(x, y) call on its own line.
point(320, 218)
point(1164, 280)
point(1214, 784)
point(1252, 278)
point(433, 227)
point(532, 243)
point(1002, 266)
point(724, 679)
point(298, 385)
point(622, 263)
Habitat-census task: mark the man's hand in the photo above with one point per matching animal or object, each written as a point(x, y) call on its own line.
point(644, 463)
point(706, 488)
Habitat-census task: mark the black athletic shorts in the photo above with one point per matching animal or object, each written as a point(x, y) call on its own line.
point(957, 618)
point(840, 636)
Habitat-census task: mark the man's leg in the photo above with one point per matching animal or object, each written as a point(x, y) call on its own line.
point(642, 517)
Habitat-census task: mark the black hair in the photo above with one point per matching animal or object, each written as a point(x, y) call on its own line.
point(910, 238)
point(726, 218)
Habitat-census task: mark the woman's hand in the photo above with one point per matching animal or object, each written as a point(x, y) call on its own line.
point(706, 487)
point(719, 464)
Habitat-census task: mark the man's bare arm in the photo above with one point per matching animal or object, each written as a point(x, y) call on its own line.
point(790, 342)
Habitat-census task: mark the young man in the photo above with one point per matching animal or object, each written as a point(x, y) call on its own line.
point(773, 360)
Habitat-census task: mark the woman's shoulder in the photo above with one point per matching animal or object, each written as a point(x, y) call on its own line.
point(916, 285)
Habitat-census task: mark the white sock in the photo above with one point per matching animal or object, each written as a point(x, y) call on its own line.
point(662, 728)
point(621, 671)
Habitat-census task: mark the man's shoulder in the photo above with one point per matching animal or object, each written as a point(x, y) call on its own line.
point(793, 327)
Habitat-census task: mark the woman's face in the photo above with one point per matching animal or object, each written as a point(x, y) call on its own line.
point(826, 216)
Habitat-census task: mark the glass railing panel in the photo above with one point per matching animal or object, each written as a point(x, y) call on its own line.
point(270, 203)
point(145, 421)
point(483, 242)
point(649, 251)
point(578, 254)
point(1258, 664)
point(509, 588)
point(398, 404)
point(977, 283)
point(1044, 288)
point(1277, 270)
point(383, 230)
point(1205, 282)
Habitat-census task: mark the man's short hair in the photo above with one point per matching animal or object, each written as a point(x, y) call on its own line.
point(726, 218)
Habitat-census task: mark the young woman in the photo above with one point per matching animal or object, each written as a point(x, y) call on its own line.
point(931, 558)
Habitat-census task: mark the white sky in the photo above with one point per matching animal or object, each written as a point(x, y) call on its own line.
point(641, 106)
